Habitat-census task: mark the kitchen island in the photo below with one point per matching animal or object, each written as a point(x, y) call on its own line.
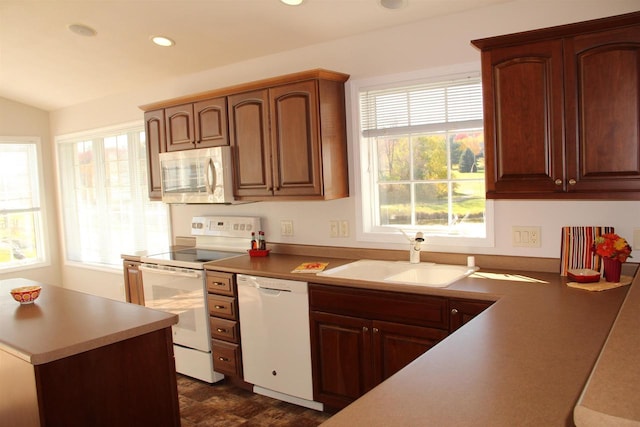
point(526, 360)
point(73, 359)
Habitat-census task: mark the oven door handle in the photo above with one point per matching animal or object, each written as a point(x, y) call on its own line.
point(170, 271)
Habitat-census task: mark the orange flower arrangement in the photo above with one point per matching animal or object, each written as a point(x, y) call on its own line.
point(610, 245)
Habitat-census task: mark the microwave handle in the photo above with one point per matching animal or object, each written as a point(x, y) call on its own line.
point(211, 177)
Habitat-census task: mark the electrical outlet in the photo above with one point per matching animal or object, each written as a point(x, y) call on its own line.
point(286, 228)
point(526, 237)
point(334, 228)
point(344, 228)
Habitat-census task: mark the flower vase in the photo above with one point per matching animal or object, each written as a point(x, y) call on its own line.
point(612, 268)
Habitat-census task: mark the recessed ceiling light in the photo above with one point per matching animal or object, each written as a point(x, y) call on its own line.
point(82, 30)
point(292, 2)
point(162, 41)
point(393, 4)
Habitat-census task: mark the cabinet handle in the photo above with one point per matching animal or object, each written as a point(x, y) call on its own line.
point(365, 329)
point(558, 181)
point(223, 359)
point(454, 311)
point(219, 307)
point(221, 330)
point(218, 283)
point(375, 330)
point(572, 181)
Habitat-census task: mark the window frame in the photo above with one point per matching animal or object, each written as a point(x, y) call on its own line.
point(101, 133)
point(366, 230)
point(43, 232)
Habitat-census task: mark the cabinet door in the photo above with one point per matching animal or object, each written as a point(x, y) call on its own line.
point(295, 149)
point(523, 109)
point(156, 144)
point(603, 110)
point(396, 345)
point(341, 358)
point(463, 311)
point(133, 283)
point(211, 123)
point(249, 137)
point(180, 127)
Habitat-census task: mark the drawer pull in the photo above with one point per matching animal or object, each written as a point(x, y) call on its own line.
point(218, 283)
point(454, 311)
point(375, 330)
point(219, 307)
point(558, 182)
point(221, 330)
point(223, 359)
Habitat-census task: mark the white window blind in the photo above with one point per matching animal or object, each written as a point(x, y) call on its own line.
point(441, 106)
point(106, 209)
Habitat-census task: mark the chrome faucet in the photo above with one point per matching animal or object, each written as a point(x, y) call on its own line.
point(415, 248)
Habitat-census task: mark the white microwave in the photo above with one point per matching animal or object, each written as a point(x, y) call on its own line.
point(197, 176)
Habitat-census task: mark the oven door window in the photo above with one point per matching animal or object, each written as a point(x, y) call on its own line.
point(180, 292)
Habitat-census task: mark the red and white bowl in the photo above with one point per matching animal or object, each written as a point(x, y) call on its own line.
point(26, 294)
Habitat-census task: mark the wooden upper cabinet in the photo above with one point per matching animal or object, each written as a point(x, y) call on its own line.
point(523, 108)
point(603, 96)
point(288, 134)
point(180, 127)
point(561, 109)
point(156, 144)
point(289, 141)
point(211, 122)
point(197, 125)
point(249, 137)
point(295, 148)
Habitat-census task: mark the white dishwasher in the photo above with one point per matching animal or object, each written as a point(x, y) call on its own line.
point(276, 342)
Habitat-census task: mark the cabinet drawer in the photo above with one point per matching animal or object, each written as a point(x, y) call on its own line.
point(223, 329)
point(421, 310)
point(222, 306)
point(226, 358)
point(220, 283)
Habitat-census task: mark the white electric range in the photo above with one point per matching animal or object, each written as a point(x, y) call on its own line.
point(175, 282)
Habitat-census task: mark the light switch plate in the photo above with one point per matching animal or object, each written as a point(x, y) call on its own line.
point(526, 236)
point(636, 239)
point(286, 228)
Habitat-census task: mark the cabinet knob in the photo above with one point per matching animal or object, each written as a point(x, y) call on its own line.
point(218, 283)
point(454, 311)
point(219, 307)
point(223, 359)
point(221, 330)
point(365, 329)
point(558, 181)
point(572, 181)
point(375, 330)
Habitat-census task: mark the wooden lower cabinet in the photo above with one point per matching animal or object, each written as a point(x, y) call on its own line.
point(222, 301)
point(462, 311)
point(133, 282)
point(358, 338)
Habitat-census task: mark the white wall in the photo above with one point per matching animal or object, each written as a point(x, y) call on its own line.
point(21, 120)
point(441, 42)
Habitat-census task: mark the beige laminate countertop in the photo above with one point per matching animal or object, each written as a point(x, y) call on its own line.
point(524, 361)
point(62, 322)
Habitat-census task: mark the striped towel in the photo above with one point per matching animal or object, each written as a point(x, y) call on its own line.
point(575, 250)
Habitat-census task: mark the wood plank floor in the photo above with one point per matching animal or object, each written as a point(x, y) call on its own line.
point(225, 405)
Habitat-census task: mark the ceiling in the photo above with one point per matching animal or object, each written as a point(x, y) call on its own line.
point(45, 65)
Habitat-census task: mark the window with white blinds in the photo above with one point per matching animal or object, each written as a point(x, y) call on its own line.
point(21, 217)
point(105, 204)
point(423, 157)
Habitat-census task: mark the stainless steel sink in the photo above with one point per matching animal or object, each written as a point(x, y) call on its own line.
point(422, 274)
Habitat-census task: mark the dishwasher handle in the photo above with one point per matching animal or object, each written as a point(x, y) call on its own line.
point(170, 271)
